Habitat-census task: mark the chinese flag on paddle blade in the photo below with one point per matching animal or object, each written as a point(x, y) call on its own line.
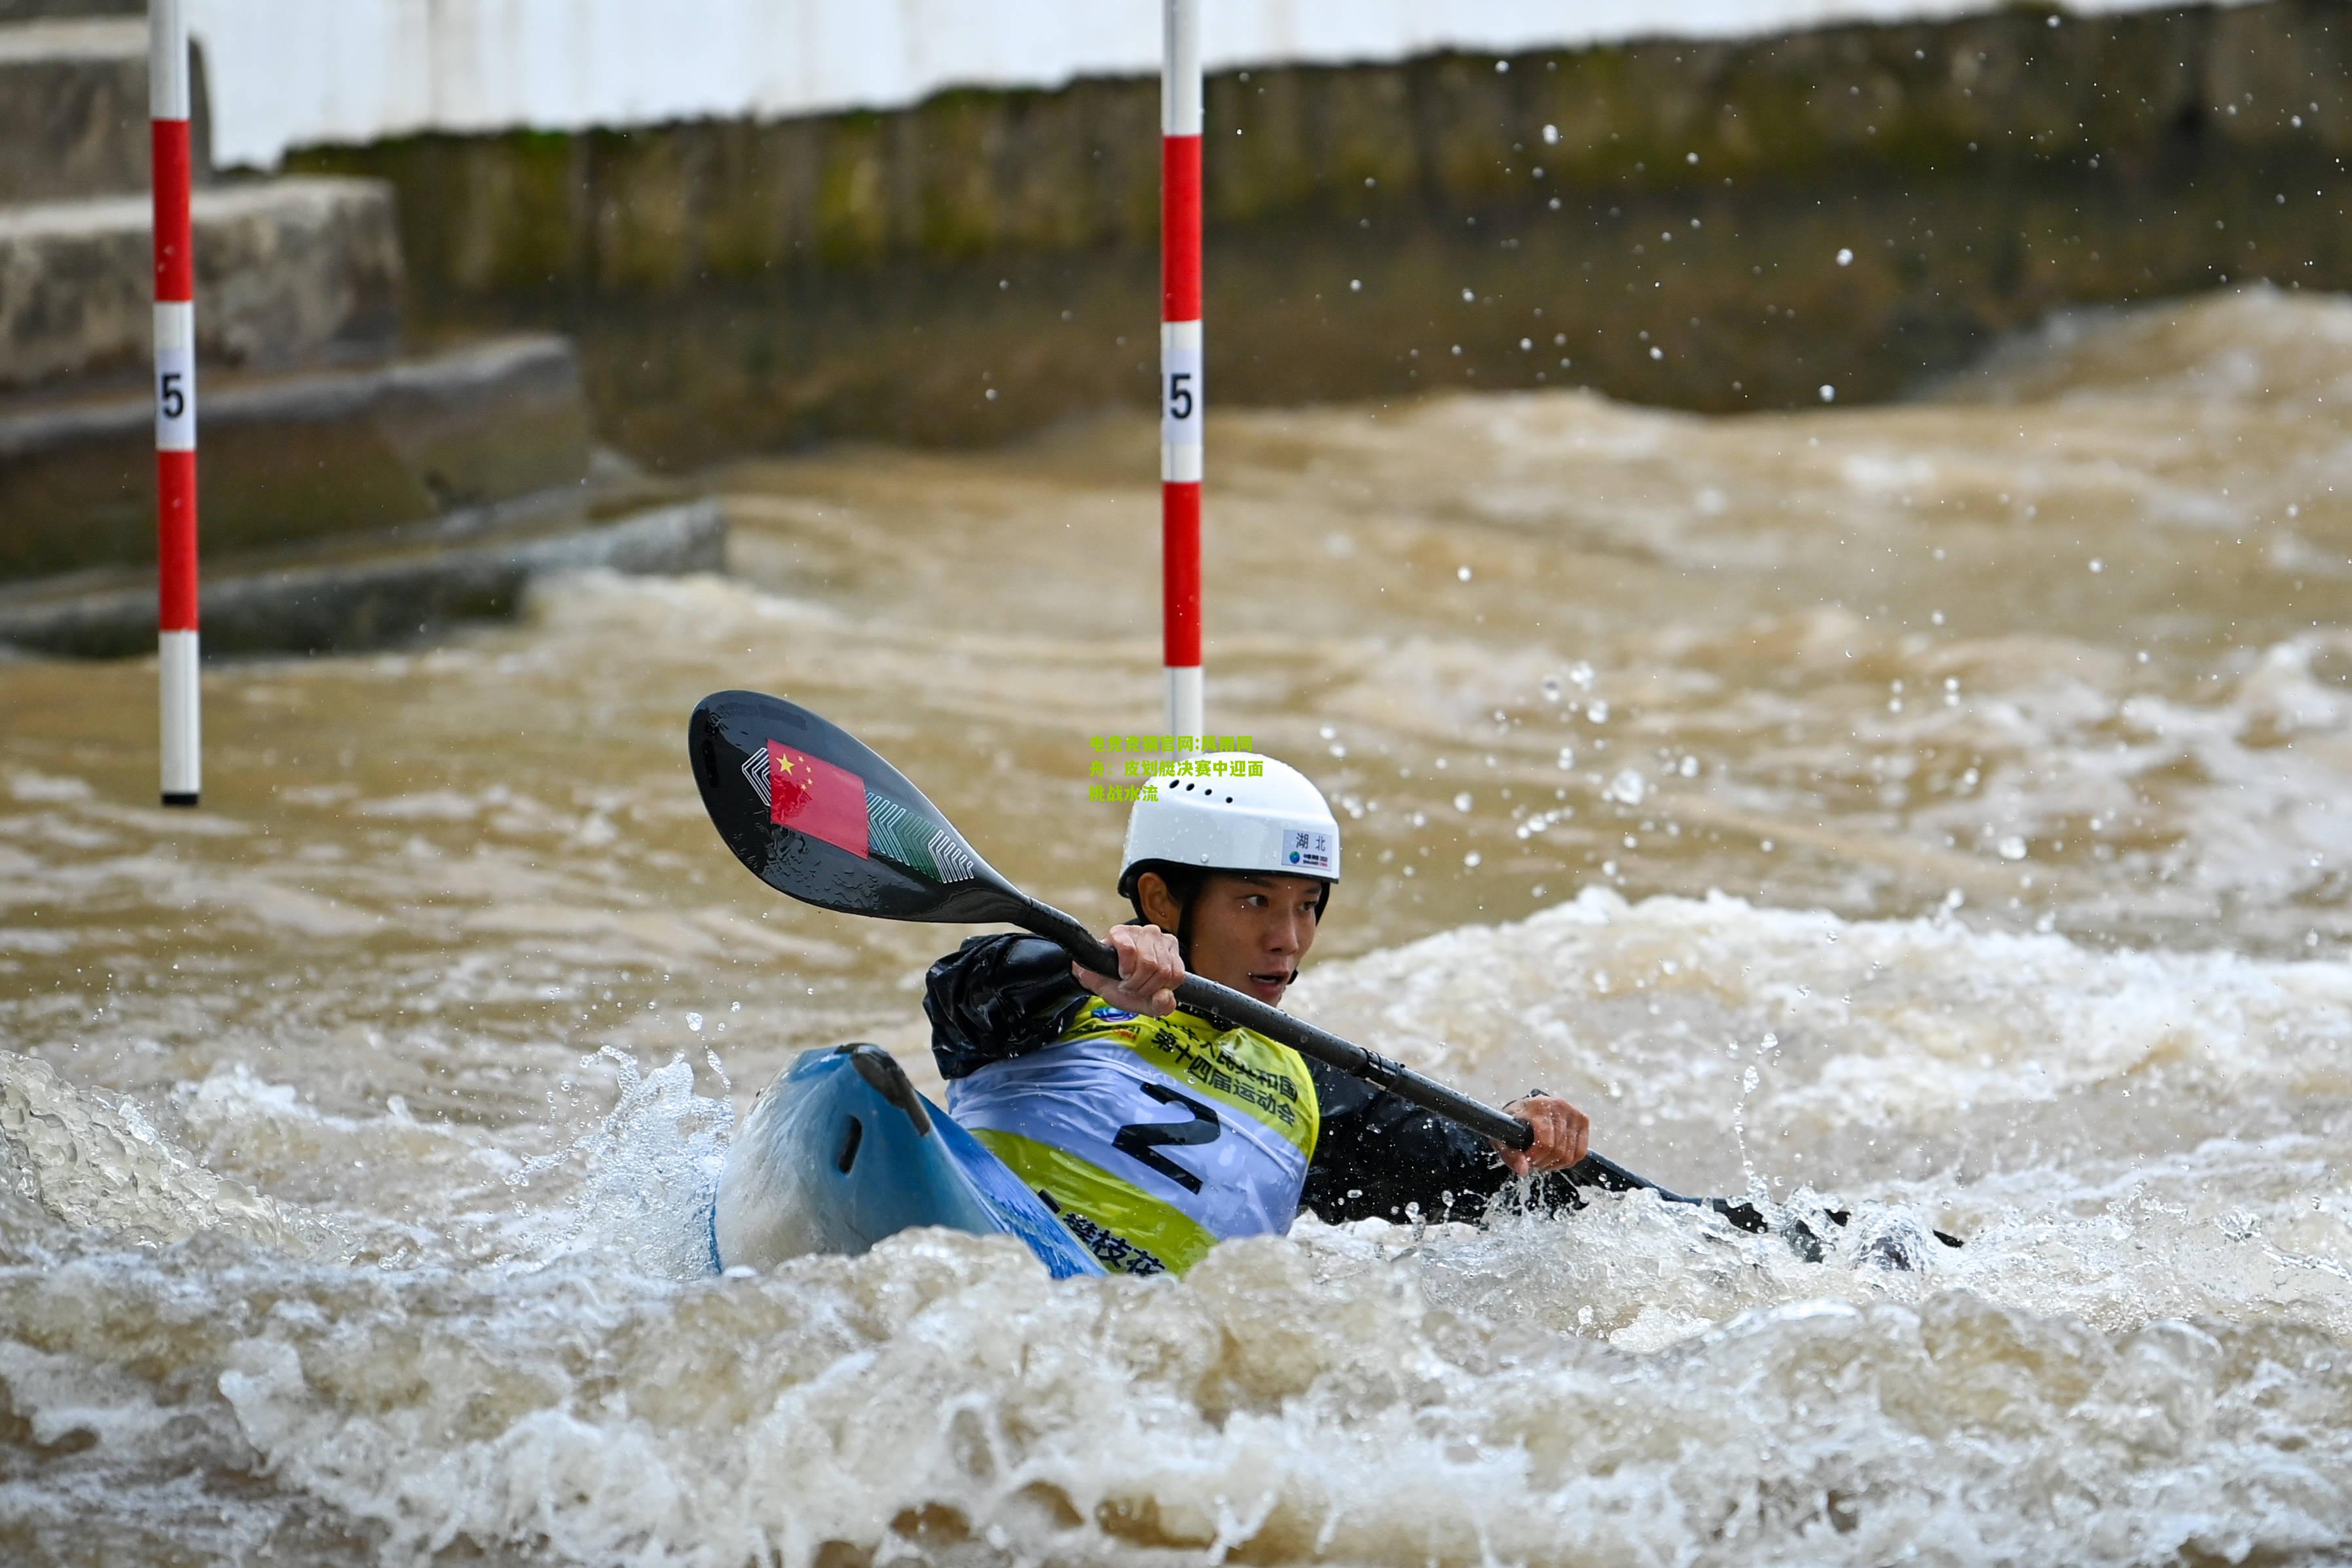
point(810, 795)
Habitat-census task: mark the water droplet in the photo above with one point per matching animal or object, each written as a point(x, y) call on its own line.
point(1463, 801)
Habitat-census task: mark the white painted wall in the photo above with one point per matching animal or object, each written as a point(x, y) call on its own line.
point(285, 73)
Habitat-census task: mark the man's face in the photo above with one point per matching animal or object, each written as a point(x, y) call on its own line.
point(1249, 929)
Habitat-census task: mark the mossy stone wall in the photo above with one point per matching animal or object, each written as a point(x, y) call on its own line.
point(739, 285)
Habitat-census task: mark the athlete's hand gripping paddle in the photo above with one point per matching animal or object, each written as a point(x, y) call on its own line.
point(815, 813)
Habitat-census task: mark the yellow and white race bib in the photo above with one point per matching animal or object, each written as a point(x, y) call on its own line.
point(1153, 1138)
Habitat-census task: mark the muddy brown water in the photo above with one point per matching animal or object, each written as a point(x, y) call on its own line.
point(1937, 807)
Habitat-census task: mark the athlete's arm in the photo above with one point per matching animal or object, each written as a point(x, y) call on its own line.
point(1379, 1155)
point(997, 996)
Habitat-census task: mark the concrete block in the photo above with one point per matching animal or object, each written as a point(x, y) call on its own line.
point(392, 591)
point(28, 10)
point(2276, 73)
point(288, 272)
point(1363, 123)
point(943, 173)
point(1048, 162)
point(852, 209)
point(74, 113)
point(1274, 160)
point(293, 457)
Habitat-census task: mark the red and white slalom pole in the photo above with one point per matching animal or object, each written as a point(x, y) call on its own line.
point(1180, 362)
point(176, 401)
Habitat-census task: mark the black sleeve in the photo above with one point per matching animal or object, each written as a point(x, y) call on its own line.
point(997, 996)
point(1377, 1152)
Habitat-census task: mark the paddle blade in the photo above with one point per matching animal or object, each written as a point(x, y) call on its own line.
point(813, 812)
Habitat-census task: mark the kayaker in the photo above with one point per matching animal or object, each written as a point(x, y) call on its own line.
point(1153, 1134)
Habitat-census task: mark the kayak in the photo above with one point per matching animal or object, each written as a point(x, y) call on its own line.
point(840, 1152)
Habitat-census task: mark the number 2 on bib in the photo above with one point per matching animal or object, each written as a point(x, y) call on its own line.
point(1143, 1141)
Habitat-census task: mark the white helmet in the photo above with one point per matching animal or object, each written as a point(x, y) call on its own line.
point(1262, 816)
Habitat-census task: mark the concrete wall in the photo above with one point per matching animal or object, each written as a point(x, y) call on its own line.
point(32, 10)
point(294, 73)
point(1665, 217)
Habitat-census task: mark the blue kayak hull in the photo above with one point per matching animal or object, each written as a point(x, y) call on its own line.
point(840, 1152)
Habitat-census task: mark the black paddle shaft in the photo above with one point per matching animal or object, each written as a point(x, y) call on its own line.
point(1226, 1007)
